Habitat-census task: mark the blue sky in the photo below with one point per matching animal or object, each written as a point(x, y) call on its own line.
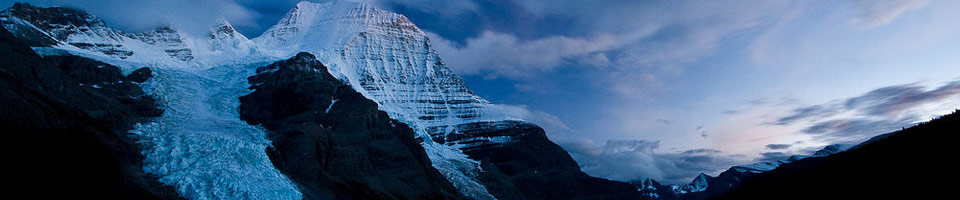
point(668, 89)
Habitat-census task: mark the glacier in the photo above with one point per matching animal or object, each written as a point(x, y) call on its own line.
point(200, 146)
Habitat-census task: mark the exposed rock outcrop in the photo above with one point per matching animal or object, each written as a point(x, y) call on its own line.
point(519, 162)
point(333, 142)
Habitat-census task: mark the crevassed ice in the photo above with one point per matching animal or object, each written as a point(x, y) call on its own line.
point(201, 146)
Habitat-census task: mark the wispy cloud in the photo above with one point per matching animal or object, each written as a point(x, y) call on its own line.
point(896, 99)
point(871, 14)
point(880, 110)
point(805, 113)
point(632, 57)
point(504, 55)
point(772, 156)
point(778, 146)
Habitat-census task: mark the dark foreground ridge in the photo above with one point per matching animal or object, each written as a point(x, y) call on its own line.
point(914, 163)
point(333, 142)
point(66, 121)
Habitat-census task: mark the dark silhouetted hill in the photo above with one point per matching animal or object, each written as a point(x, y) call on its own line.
point(913, 163)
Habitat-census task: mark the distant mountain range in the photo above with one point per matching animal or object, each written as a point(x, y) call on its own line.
point(705, 186)
point(886, 166)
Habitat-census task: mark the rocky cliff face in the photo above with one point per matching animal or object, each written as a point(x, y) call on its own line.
point(169, 40)
point(66, 120)
point(333, 141)
point(519, 162)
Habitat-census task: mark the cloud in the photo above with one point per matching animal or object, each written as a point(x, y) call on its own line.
point(444, 8)
point(893, 100)
point(853, 130)
point(807, 112)
point(695, 151)
point(504, 55)
point(871, 14)
point(890, 101)
point(664, 121)
point(628, 47)
point(778, 146)
point(627, 160)
point(553, 125)
point(772, 156)
point(193, 16)
point(875, 112)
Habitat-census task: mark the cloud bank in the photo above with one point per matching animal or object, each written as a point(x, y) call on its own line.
point(627, 160)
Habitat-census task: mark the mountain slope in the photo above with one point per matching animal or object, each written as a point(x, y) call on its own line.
point(902, 164)
point(389, 60)
point(65, 121)
point(202, 148)
point(333, 141)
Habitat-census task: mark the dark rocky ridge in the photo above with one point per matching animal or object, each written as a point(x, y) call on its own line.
point(908, 164)
point(333, 142)
point(530, 166)
point(66, 120)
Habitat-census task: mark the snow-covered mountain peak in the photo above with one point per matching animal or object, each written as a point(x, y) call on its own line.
point(223, 44)
point(59, 25)
point(167, 39)
point(81, 33)
point(765, 166)
point(383, 55)
point(62, 20)
point(319, 26)
point(224, 29)
point(388, 59)
point(701, 182)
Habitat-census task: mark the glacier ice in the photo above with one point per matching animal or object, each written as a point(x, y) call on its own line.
point(200, 145)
